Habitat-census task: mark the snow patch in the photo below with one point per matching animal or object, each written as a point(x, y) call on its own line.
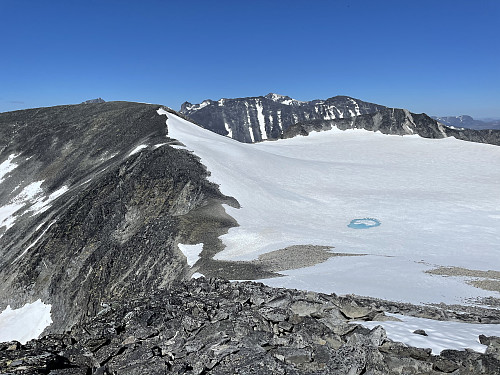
point(228, 129)
point(197, 275)
point(441, 334)
point(250, 129)
point(26, 323)
point(7, 166)
point(261, 119)
point(278, 113)
point(137, 149)
point(161, 111)
point(42, 205)
point(191, 252)
point(32, 196)
point(27, 196)
point(356, 107)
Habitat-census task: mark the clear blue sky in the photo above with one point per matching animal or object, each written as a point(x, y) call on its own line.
point(441, 57)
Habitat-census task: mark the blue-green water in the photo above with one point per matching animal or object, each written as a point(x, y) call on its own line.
point(365, 223)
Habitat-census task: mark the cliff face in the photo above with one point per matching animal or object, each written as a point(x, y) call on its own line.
point(267, 117)
point(94, 202)
point(398, 122)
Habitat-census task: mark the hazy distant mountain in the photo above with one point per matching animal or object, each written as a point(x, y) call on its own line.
point(255, 119)
point(465, 121)
point(93, 101)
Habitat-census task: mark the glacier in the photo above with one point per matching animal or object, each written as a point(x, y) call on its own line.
point(437, 200)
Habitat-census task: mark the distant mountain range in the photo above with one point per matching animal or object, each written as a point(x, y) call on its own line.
point(465, 121)
point(274, 116)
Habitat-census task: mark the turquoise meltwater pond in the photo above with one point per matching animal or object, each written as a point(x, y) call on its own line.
point(365, 223)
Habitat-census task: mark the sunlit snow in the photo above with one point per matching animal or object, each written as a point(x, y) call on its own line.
point(441, 335)
point(7, 166)
point(137, 149)
point(191, 252)
point(26, 323)
point(437, 200)
point(32, 199)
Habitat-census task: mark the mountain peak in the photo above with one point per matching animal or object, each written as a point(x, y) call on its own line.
point(282, 99)
point(93, 101)
point(276, 97)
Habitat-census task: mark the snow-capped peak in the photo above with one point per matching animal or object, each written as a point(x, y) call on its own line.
point(282, 99)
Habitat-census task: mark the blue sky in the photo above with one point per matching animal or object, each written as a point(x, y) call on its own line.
point(438, 57)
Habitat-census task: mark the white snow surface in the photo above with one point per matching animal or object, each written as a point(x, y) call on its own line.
point(261, 119)
point(437, 201)
point(32, 199)
point(7, 166)
point(441, 335)
point(191, 252)
point(26, 323)
point(137, 149)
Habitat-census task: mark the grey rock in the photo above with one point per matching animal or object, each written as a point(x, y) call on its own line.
point(420, 332)
point(398, 122)
point(94, 101)
point(121, 211)
point(266, 117)
point(148, 335)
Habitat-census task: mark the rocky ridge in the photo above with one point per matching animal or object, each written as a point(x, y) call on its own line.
point(211, 326)
point(398, 122)
point(113, 199)
point(267, 117)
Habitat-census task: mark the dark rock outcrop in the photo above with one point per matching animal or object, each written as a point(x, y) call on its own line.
point(267, 117)
point(210, 326)
point(94, 101)
point(398, 122)
point(114, 201)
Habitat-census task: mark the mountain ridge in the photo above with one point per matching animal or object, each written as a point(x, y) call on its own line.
point(259, 118)
point(397, 122)
point(108, 162)
point(274, 116)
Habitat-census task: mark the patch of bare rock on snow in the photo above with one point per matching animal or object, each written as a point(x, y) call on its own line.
point(211, 326)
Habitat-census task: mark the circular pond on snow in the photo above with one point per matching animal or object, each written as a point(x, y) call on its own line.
point(364, 223)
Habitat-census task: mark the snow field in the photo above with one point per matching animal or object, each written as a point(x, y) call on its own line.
point(437, 201)
point(26, 323)
point(191, 252)
point(441, 335)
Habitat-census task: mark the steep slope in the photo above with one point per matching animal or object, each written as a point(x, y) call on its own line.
point(93, 204)
point(266, 117)
point(397, 122)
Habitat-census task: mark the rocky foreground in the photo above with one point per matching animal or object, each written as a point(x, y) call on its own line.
point(210, 326)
